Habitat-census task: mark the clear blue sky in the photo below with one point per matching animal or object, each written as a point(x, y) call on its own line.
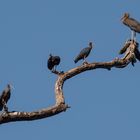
point(105, 105)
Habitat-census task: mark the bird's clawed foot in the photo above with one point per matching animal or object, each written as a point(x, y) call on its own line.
point(85, 63)
point(61, 72)
point(57, 72)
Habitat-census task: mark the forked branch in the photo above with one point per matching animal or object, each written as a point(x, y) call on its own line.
point(60, 105)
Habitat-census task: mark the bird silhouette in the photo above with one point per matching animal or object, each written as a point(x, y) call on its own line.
point(132, 23)
point(5, 96)
point(53, 61)
point(84, 53)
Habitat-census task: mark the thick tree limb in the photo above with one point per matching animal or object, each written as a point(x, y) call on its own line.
point(60, 105)
point(28, 116)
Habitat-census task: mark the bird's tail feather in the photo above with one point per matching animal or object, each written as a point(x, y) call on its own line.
point(75, 60)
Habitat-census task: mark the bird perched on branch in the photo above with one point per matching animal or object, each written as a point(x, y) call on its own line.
point(5, 96)
point(132, 23)
point(52, 63)
point(126, 45)
point(84, 53)
point(131, 51)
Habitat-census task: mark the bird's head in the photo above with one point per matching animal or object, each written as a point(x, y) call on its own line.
point(9, 86)
point(125, 16)
point(90, 44)
point(50, 55)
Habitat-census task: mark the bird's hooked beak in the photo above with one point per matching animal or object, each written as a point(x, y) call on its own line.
point(90, 44)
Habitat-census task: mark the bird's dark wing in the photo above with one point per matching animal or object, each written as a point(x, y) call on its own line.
point(137, 54)
point(52, 61)
point(85, 51)
point(123, 50)
point(81, 55)
point(133, 24)
point(6, 94)
point(78, 57)
point(56, 60)
point(1, 104)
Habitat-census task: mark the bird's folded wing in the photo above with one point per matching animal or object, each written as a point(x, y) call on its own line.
point(134, 24)
point(137, 54)
point(123, 50)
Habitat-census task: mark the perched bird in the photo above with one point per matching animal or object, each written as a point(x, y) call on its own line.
point(131, 51)
point(53, 61)
point(84, 53)
point(133, 24)
point(126, 45)
point(5, 96)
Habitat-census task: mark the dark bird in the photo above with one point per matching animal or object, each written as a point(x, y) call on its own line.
point(131, 51)
point(126, 45)
point(133, 24)
point(5, 96)
point(53, 61)
point(84, 53)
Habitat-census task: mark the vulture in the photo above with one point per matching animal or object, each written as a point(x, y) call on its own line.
point(130, 50)
point(84, 53)
point(53, 61)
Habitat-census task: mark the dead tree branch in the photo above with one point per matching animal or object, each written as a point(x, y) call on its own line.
point(60, 105)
